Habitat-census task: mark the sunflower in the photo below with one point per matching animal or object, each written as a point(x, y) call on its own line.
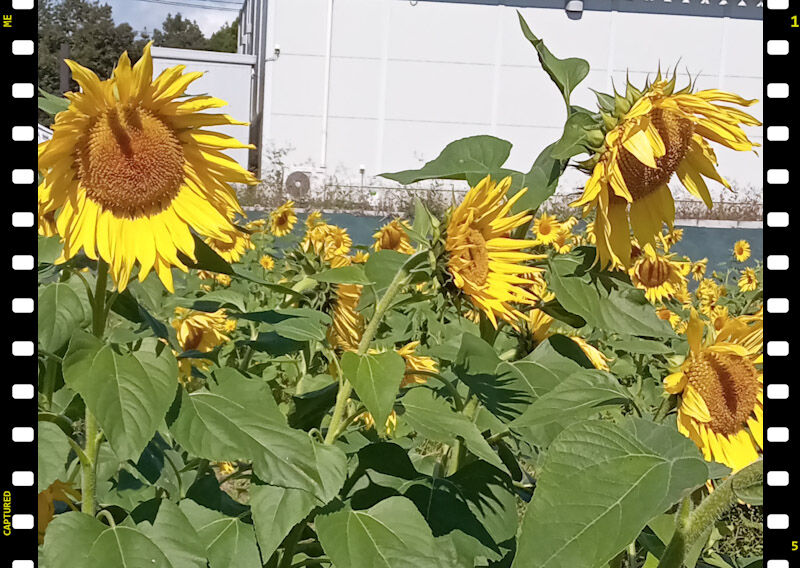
point(671, 238)
point(564, 241)
point(651, 135)
point(393, 236)
point(718, 316)
point(257, 225)
point(539, 322)
point(327, 241)
point(741, 250)
point(223, 279)
point(200, 331)
point(267, 262)
point(546, 229)
point(347, 326)
point(414, 363)
point(369, 422)
point(698, 269)
point(282, 220)
point(658, 275)
point(595, 356)
point(748, 281)
point(314, 218)
point(233, 246)
point(570, 222)
point(708, 294)
point(721, 391)
point(130, 171)
point(484, 262)
point(668, 315)
point(360, 257)
point(58, 491)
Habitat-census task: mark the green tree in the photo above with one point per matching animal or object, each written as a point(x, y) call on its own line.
point(88, 28)
point(177, 31)
point(226, 38)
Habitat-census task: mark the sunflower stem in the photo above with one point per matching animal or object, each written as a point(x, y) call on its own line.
point(92, 435)
point(345, 388)
point(692, 524)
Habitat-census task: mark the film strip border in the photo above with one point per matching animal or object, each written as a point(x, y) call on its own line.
point(18, 463)
point(782, 42)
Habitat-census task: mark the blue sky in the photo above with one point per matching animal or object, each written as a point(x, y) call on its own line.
point(141, 15)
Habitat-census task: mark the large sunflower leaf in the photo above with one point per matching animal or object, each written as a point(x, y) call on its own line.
point(228, 423)
point(129, 394)
point(230, 543)
point(565, 73)
point(59, 313)
point(460, 159)
point(575, 398)
point(600, 484)
point(376, 379)
point(53, 449)
point(434, 419)
point(275, 511)
point(602, 299)
point(392, 534)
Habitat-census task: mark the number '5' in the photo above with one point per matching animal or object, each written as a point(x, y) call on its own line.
point(795, 546)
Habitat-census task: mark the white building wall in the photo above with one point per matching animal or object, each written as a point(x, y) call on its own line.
point(406, 77)
point(227, 76)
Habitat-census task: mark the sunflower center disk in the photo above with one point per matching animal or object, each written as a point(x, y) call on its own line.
point(676, 133)
point(476, 258)
point(131, 163)
point(653, 273)
point(729, 385)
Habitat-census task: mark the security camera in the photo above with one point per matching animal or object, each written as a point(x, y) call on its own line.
point(362, 168)
point(277, 50)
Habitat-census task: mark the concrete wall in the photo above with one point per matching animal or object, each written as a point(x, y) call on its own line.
point(387, 83)
point(228, 76)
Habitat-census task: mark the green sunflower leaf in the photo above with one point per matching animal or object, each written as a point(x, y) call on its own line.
point(600, 484)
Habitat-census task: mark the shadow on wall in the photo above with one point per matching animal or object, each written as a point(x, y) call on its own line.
point(752, 9)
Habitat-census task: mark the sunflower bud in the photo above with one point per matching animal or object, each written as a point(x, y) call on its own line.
point(621, 106)
point(609, 121)
point(595, 138)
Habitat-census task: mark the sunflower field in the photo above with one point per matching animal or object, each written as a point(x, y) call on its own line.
point(495, 387)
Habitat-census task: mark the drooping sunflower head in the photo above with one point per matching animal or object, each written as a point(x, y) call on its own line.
point(741, 250)
point(348, 324)
point(416, 363)
point(393, 236)
point(485, 263)
point(131, 170)
point(232, 248)
point(658, 275)
point(708, 293)
point(698, 269)
point(748, 281)
point(314, 218)
point(327, 241)
point(720, 386)
point(282, 219)
point(201, 331)
point(651, 135)
point(546, 228)
point(668, 315)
